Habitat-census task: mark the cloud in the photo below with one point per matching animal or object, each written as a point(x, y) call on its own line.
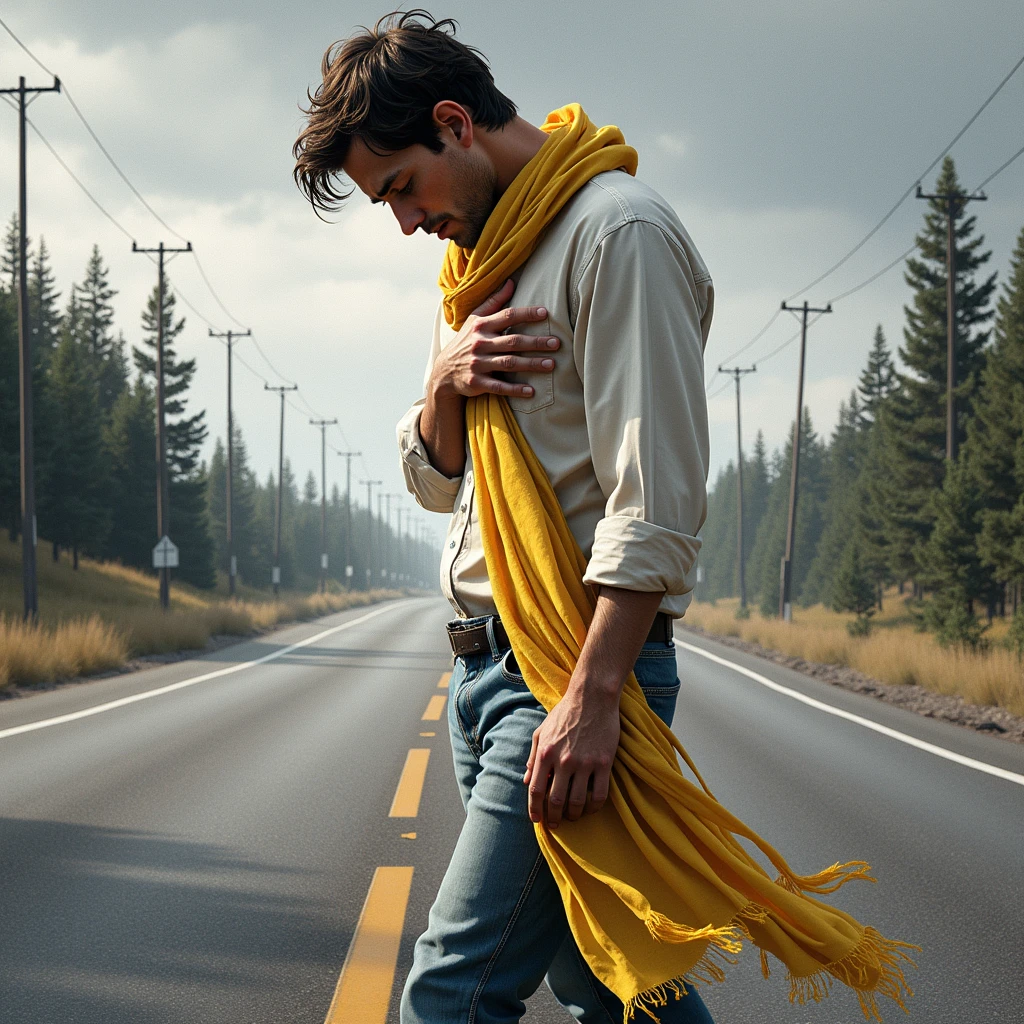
point(673, 145)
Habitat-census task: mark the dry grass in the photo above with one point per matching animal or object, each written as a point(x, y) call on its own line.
point(97, 618)
point(894, 652)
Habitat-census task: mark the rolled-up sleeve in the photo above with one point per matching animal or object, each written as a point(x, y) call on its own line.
point(639, 348)
point(432, 489)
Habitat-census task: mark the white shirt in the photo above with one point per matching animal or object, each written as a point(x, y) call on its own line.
point(620, 424)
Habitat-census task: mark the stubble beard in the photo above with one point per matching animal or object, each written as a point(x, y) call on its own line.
point(475, 195)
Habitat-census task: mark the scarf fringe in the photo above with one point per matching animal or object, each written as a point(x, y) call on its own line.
point(874, 967)
point(829, 880)
point(728, 938)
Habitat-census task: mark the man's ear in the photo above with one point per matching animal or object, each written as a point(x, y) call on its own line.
point(453, 118)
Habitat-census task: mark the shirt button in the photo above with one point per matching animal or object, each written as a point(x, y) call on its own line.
point(452, 544)
point(462, 507)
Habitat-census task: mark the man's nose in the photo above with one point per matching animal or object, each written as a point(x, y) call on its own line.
point(409, 218)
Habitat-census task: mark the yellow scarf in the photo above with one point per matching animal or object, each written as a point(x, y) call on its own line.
point(657, 889)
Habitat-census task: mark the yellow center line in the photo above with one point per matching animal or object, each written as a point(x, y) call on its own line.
point(435, 708)
point(363, 992)
point(406, 803)
point(445, 680)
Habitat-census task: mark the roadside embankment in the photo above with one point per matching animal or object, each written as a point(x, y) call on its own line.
point(102, 615)
point(895, 662)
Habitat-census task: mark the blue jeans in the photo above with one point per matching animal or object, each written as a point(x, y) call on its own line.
point(497, 927)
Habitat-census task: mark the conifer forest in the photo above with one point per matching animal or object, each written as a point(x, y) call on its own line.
point(880, 505)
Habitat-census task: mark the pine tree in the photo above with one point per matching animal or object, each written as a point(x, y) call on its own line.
point(875, 553)
point(91, 318)
point(10, 260)
point(853, 590)
point(189, 521)
point(877, 379)
point(949, 563)
point(995, 442)
point(770, 542)
point(244, 498)
point(75, 514)
point(130, 440)
point(914, 418)
point(717, 556)
point(842, 469)
point(10, 422)
point(43, 304)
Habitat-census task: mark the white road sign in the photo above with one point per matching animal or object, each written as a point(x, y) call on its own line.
point(165, 554)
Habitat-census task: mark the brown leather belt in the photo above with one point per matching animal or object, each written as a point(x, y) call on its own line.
point(471, 639)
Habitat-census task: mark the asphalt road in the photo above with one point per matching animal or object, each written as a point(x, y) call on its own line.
point(204, 853)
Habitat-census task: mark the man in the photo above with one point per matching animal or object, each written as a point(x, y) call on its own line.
point(601, 360)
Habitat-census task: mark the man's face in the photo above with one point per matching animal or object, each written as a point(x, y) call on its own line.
point(450, 194)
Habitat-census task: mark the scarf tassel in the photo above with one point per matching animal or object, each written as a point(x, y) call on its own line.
point(872, 968)
point(829, 880)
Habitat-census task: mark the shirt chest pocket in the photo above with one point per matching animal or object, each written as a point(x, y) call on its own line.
point(542, 381)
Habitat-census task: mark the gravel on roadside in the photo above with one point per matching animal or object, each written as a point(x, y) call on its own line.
point(950, 708)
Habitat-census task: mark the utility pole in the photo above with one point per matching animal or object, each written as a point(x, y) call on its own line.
point(738, 372)
point(370, 484)
point(323, 425)
point(348, 456)
point(954, 202)
point(28, 469)
point(275, 572)
point(786, 574)
point(228, 516)
point(163, 489)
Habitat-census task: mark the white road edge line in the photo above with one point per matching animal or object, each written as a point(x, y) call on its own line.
point(901, 737)
point(110, 705)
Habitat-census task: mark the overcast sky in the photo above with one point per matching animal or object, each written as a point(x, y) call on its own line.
point(780, 132)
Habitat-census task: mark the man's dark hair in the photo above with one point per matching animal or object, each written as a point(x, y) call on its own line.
point(381, 85)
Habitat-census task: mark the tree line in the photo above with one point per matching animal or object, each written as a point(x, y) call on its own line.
point(95, 449)
point(879, 503)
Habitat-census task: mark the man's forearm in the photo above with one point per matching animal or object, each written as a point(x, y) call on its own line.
point(621, 622)
point(443, 431)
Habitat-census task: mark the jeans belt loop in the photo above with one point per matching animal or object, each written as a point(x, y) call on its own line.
point(492, 639)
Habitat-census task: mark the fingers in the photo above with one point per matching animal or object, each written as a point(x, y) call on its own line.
point(502, 319)
point(511, 363)
point(599, 793)
point(494, 302)
point(577, 804)
point(557, 796)
point(505, 343)
point(530, 760)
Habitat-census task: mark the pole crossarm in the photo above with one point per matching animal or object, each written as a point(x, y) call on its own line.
point(954, 201)
point(24, 89)
point(786, 569)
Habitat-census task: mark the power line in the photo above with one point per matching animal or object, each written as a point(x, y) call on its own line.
point(874, 277)
point(757, 337)
point(903, 198)
point(121, 174)
point(53, 152)
point(216, 297)
point(1000, 169)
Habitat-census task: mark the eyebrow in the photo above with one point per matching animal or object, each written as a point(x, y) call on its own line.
point(385, 187)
